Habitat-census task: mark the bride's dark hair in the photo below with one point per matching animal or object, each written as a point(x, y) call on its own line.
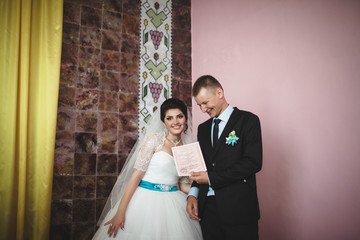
point(173, 103)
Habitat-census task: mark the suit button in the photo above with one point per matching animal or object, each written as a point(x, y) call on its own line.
point(213, 164)
point(244, 180)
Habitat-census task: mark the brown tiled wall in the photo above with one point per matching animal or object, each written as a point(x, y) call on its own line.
point(97, 116)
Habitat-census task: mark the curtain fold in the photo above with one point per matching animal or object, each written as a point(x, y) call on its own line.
point(30, 57)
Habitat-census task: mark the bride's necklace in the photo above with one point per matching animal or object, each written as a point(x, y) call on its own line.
point(175, 143)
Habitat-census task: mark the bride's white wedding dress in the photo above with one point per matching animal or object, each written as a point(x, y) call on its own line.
point(156, 214)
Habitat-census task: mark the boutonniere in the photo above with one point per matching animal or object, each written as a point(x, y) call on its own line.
point(232, 138)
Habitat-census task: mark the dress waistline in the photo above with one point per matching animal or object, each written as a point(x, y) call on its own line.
point(157, 186)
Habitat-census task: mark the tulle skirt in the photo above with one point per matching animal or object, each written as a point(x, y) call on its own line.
point(154, 215)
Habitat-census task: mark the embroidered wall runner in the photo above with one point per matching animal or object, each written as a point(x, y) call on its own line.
point(155, 58)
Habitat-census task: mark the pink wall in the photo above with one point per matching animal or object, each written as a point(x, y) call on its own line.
point(297, 65)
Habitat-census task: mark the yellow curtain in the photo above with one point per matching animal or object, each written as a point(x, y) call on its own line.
point(30, 56)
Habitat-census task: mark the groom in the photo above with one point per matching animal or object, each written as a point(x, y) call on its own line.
point(224, 199)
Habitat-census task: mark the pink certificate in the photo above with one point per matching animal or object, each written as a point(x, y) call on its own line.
point(188, 158)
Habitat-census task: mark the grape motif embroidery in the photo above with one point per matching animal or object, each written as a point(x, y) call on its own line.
point(156, 37)
point(155, 89)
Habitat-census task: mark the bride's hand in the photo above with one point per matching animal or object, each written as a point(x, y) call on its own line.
point(117, 221)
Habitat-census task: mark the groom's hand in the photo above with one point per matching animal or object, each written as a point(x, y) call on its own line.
point(200, 177)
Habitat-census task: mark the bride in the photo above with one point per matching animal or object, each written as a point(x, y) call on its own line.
point(148, 199)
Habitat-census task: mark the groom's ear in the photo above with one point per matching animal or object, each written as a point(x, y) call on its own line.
point(220, 93)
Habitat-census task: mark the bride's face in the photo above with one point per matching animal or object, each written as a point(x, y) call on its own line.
point(175, 121)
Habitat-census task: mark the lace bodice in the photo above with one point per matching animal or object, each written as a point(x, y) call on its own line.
point(158, 165)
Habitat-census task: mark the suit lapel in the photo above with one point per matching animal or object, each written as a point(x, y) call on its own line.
point(207, 136)
point(205, 140)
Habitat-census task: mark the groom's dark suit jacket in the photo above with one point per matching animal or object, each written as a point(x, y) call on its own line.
point(232, 169)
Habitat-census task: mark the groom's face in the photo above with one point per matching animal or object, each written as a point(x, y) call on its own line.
point(209, 101)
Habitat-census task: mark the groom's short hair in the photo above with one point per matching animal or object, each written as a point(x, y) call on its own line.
point(205, 81)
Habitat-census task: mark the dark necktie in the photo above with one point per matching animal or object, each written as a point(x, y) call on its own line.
point(216, 131)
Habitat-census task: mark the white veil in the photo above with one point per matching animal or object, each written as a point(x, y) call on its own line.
point(155, 125)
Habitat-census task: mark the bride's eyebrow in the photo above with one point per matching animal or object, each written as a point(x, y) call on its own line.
point(170, 116)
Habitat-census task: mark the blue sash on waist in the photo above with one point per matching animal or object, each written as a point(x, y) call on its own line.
point(157, 186)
